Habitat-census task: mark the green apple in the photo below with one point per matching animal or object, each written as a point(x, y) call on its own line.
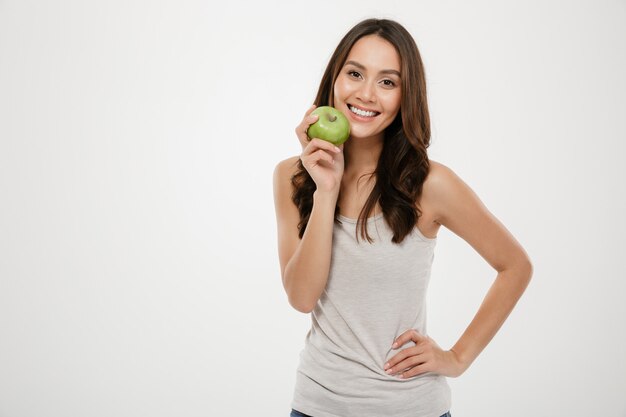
point(331, 126)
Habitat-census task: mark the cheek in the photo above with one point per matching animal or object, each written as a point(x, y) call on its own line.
point(393, 103)
point(342, 88)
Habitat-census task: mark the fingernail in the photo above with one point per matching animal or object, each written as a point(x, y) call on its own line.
point(395, 345)
point(386, 366)
point(337, 149)
point(388, 371)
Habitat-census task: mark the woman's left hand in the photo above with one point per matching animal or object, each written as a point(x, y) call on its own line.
point(425, 356)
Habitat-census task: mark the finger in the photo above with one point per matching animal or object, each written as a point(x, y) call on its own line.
point(324, 156)
point(314, 158)
point(302, 129)
point(401, 356)
point(311, 119)
point(402, 339)
point(307, 120)
point(416, 370)
point(406, 365)
point(310, 110)
point(301, 132)
point(317, 143)
point(409, 335)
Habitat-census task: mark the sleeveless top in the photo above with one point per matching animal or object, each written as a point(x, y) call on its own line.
point(374, 293)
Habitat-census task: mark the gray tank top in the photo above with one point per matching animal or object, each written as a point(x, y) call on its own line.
point(374, 293)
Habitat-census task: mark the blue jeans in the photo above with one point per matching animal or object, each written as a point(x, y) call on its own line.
point(296, 413)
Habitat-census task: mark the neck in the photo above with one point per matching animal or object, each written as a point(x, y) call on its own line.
point(362, 154)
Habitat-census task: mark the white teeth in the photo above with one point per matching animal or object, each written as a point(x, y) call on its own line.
point(362, 112)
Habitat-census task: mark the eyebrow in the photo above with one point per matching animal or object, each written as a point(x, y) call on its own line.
point(385, 71)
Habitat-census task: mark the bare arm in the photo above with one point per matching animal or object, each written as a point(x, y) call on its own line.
point(305, 263)
point(459, 209)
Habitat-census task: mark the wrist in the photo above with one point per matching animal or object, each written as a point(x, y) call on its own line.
point(461, 363)
point(326, 197)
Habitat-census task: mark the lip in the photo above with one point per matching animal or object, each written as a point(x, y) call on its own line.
point(358, 118)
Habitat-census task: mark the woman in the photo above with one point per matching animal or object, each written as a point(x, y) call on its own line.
point(357, 226)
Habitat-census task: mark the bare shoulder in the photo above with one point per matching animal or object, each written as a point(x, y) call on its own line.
point(440, 174)
point(283, 172)
point(441, 183)
point(283, 190)
point(286, 168)
point(456, 206)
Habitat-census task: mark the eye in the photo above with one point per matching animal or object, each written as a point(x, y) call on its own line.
point(389, 83)
point(354, 74)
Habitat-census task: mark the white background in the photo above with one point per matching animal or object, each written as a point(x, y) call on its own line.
point(139, 273)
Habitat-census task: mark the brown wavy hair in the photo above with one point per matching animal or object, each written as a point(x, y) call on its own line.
point(403, 164)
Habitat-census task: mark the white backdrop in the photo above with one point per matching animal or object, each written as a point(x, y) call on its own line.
point(139, 271)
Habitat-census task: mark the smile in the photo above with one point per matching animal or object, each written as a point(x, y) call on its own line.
point(362, 113)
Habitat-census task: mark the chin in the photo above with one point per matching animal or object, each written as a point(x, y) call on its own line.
point(364, 135)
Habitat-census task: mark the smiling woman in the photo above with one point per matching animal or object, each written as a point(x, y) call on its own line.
point(362, 78)
point(368, 352)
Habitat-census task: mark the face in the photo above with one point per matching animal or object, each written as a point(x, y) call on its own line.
point(367, 89)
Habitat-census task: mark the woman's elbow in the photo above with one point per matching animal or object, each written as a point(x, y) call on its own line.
point(303, 306)
point(527, 268)
point(299, 300)
point(519, 269)
point(300, 297)
point(523, 271)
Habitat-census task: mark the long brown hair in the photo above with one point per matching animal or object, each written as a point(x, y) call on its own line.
point(403, 164)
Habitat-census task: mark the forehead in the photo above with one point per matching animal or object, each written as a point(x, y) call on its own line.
point(375, 53)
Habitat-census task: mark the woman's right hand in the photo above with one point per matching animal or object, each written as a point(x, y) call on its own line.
point(323, 160)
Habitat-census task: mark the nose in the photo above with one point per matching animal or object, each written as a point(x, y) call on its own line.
point(367, 93)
